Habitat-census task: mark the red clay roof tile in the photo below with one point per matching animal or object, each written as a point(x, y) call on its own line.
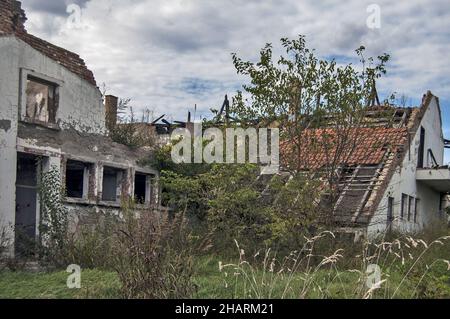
point(317, 148)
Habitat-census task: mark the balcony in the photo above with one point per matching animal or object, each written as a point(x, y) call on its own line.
point(437, 178)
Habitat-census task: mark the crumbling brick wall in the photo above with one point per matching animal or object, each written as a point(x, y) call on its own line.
point(12, 17)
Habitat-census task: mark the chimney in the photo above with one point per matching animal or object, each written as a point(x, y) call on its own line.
point(111, 111)
point(12, 17)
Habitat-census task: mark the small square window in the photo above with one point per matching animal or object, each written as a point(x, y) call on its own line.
point(41, 100)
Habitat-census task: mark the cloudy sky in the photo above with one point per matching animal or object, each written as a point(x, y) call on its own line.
point(169, 55)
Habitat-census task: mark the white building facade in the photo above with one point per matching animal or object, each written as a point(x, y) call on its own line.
point(414, 197)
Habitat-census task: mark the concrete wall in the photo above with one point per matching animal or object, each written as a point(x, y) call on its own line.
point(404, 180)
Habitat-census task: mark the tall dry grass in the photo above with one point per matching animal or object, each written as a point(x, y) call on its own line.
point(409, 268)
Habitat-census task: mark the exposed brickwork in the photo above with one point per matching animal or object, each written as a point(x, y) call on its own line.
point(12, 19)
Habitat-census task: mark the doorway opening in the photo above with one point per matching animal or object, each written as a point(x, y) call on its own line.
point(26, 204)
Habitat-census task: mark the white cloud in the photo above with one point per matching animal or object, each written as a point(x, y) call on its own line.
point(170, 55)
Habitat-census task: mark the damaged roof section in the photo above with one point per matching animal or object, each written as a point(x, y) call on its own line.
point(352, 146)
point(12, 23)
point(362, 157)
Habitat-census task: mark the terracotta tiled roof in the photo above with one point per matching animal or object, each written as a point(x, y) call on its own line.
point(353, 146)
point(12, 19)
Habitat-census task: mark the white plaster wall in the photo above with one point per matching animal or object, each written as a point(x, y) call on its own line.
point(80, 103)
point(404, 180)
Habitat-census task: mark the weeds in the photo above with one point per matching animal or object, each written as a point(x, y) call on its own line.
point(405, 265)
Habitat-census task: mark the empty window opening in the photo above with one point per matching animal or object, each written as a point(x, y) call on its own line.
point(140, 188)
point(112, 184)
point(76, 179)
point(41, 100)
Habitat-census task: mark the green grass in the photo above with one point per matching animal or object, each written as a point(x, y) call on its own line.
point(94, 284)
point(212, 283)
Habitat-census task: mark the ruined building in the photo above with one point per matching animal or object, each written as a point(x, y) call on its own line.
point(52, 118)
point(389, 175)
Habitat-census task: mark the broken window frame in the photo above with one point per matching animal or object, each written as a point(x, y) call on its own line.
point(51, 106)
point(25, 75)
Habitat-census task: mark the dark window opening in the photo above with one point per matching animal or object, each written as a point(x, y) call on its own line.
point(140, 188)
point(41, 100)
point(421, 148)
point(111, 183)
point(75, 179)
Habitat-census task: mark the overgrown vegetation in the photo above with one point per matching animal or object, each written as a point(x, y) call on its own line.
point(410, 268)
point(53, 227)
